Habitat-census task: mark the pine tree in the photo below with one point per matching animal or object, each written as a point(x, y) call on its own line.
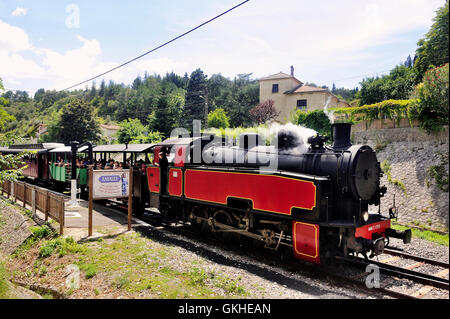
point(196, 97)
point(101, 92)
point(408, 62)
point(77, 123)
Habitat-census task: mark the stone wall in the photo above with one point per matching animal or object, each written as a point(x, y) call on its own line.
point(410, 152)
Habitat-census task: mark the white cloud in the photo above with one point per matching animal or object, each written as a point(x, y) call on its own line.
point(13, 39)
point(265, 37)
point(19, 12)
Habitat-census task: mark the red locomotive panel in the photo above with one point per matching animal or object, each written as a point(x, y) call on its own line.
point(306, 241)
point(270, 193)
point(175, 182)
point(153, 179)
point(367, 231)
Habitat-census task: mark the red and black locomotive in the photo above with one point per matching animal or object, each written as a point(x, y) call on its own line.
point(315, 201)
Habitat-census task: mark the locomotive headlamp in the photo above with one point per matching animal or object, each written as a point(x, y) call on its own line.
point(365, 216)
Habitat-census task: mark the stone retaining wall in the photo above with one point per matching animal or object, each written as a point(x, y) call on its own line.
point(410, 152)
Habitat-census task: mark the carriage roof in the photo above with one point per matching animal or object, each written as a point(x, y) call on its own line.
point(123, 148)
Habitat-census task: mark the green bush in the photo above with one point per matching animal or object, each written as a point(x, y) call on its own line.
point(218, 119)
point(316, 120)
point(391, 109)
point(89, 269)
point(40, 232)
point(440, 173)
point(62, 246)
point(433, 99)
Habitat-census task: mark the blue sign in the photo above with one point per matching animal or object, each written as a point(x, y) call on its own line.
point(109, 179)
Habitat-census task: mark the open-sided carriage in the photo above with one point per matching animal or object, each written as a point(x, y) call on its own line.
point(137, 156)
point(37, 161)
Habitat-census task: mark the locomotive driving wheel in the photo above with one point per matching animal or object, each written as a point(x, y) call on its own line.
point(223, 217)
point(198, 225)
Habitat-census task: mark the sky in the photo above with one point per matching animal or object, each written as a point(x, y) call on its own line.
point(55, 44)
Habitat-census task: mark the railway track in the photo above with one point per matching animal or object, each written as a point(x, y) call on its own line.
point(427, 281)
point(399, 253)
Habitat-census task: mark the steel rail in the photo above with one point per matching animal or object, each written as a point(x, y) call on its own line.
point(416, 258)
point(399, 272)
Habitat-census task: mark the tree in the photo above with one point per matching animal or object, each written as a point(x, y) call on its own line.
point(264, 112)
point(239, 99)
point(218, 119)
point(130, 129)
point(167, 113)
point(432, 51)
point(408, 62)
point(9, 164)
point(433, 95)
point(316, 120)
point(77, 123)
point(39, 95)
point(196, 95)
point(397, 85)
point(4, 116)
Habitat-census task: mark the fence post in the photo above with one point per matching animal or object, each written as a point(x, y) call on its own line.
point(33, 201)
point(61, 215)
point(46, 205)
point(13, 191)
point(24, 202)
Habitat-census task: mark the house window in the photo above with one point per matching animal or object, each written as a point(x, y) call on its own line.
point(301, 104)
point(274, 88)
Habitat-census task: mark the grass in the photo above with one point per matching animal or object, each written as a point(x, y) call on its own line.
point(62, 246)
point(134, 267)
point(4, 290)
point(429, 235)
point(37, 234)
point(128, 264)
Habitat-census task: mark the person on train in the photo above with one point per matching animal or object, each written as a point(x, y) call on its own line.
point(163, 164)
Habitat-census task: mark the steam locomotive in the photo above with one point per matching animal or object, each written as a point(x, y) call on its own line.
point(312, 199)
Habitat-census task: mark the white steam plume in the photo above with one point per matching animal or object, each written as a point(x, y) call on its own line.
point(329, 113)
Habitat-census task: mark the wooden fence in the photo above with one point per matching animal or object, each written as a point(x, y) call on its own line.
point(48, 202)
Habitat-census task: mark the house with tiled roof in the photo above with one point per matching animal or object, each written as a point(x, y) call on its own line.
point(290, 94)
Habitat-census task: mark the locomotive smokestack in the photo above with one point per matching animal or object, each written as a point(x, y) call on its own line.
point(341, 135)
